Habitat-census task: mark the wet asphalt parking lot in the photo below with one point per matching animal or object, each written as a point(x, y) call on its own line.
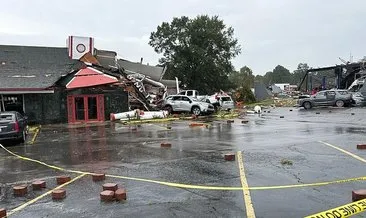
point(302, 138)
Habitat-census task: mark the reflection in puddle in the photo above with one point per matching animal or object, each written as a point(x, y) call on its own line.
point(354, 130)
point(86, 147)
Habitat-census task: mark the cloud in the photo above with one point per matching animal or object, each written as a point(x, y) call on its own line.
point(271, 32)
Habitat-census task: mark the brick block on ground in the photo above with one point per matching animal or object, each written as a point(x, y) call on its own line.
point(120, 194)
point(107, 195)
point(229, 157)
point(98, 177)
point(20, 190)
point(58, 194)
point(358, 195)
point(110, 187)
point(63, 179)
point(38, 185)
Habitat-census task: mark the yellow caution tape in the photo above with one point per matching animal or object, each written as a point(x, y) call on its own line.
point(187, 186)
point(342, 211)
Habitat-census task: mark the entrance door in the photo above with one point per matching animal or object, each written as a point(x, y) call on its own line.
point(85, 108)
point(79, 109)
point(92, 108)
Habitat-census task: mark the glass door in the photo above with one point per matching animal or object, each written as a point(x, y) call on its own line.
point(79, 109)
point(85, 108)
point(92, 108)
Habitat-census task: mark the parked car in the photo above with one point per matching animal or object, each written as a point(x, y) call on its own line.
point(339, 98)
point(358, 99)
point(13, 126)
point(226, 103)
point(219, 101)
point(182, 103)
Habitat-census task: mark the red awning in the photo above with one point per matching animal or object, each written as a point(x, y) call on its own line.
point(90, 77)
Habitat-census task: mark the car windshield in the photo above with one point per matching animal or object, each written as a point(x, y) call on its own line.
point(4, 118)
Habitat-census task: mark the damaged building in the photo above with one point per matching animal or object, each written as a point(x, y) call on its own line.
point(75, 84)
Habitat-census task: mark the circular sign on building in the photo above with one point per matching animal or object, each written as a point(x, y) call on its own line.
point(80, 48)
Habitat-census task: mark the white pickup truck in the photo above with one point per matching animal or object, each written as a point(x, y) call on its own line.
point(219, 101)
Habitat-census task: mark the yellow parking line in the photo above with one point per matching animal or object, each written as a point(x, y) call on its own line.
point(43, 195)
point(247, 199)
point(189, 186)
point(344, 151)
point(35, 136)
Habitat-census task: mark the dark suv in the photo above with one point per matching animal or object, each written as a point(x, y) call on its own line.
point(13, 126)
point(339, 98)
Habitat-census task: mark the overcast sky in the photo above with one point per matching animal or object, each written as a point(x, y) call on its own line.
point(271, 32)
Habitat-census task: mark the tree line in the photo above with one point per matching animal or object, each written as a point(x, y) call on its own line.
point(199, 52)
point(246, 77)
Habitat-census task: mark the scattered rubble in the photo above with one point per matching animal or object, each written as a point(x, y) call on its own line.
point(286, 162)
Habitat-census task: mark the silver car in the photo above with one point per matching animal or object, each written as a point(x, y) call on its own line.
point(339, 98)
point(359, 99)
point(182, 103)
point(226, 103)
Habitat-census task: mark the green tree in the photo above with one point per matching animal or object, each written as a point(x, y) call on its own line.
point(299, 73)
point(259, 79)
point(243, 81)
point(198, 51)
point(244, 94)
point(243, 78)
point(281, 75)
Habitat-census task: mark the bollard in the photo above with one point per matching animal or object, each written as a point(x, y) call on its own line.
point(361, 146)
point(62, 179)
point(107, 196)
point(98, 177)
point(165, 145)
point(110, 187)
point(229, 157)
point(358, 195)
point(197, 124)
point(20, 190)
point(58, 194)
point(120, 194)
point(38, 185)
point(2, 212)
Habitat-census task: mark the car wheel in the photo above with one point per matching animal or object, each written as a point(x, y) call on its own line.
point(307, 105)
point(339, 103)
point(196, 110)
point(169, 109)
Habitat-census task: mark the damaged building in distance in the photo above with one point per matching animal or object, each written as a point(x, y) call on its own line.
point(77, 83)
